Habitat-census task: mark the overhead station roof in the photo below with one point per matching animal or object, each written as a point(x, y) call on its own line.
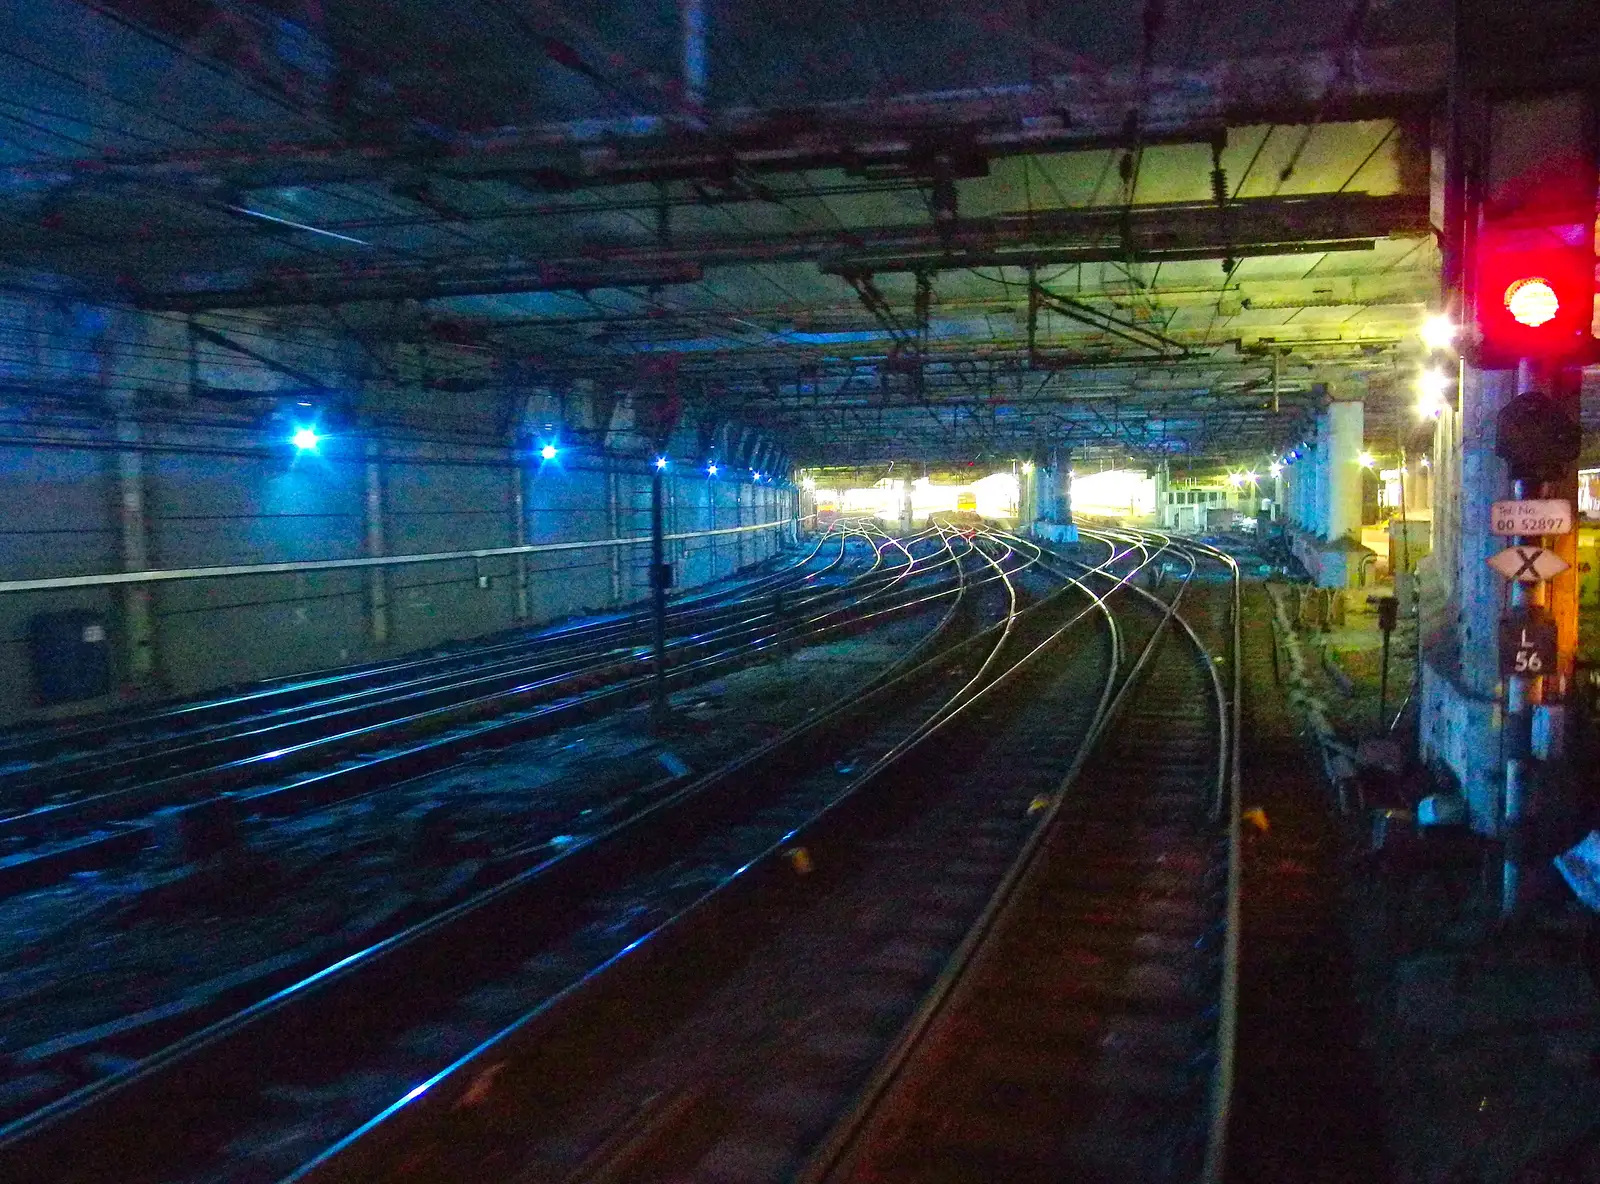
point(912, 231)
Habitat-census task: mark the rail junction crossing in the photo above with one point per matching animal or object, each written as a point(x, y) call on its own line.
point(670, 590)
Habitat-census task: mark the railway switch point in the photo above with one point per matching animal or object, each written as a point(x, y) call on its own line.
point(548, 562)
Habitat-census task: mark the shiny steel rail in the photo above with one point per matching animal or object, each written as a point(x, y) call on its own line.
point(842, 1154)
point(471, 681)
point(629, 1149)
point(164, 1073)
point(363, 1154)
point(26, 751)
point(248, 783)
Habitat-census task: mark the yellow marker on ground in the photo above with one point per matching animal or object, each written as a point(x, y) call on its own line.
point(800, 860)
point(1257, 817)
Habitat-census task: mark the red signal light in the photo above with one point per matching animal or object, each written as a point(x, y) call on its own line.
point(1535, 296)
point(1532, 301)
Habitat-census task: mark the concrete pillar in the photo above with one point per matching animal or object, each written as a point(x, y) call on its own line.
point(678, 547)
point(1418, 478)
point(711, 540)
point(377, 577)
point(614, 529)
point(1342, 512)
point(1460, 699)
point(738, 520)
point(907, 521)
point(1444, 502)
point(138, 611)
point(519, 529)
point(1479, 591)
point(1051, 487)
point(1322, 453)
point(696, 58)
point(1302, 476)
point(1063, 470)
point(1041, 492)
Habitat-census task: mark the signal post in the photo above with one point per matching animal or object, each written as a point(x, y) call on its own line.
point(1527, 286)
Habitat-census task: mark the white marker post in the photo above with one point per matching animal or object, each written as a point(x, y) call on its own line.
point(1535, 440)
point(1527, 564)
point(1522, 691)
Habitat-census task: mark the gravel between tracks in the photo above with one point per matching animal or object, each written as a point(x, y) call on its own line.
point(153, 939)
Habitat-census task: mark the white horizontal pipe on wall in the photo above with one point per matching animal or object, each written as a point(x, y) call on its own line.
point(267, 569)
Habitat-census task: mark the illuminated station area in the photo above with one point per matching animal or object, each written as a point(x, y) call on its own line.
point(668, 591)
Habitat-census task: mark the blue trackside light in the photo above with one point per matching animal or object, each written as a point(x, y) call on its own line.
point(711, 470)
point(305, 439)
point(549, 451)
point(758, 476)
point(661, 462)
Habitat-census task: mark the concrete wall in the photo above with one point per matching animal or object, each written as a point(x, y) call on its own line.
point(450, 498)
point(204, 509)
point(216, 496)
point(55, 520)
point(1459, 731)
point(133, 441)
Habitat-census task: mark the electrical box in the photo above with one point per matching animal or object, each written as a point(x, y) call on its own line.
point(70, 655)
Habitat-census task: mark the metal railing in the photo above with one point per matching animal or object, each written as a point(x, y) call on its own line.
point(266, 569)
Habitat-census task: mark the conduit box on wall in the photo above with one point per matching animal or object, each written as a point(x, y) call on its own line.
point(69, 655)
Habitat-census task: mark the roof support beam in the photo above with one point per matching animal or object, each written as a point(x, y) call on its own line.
point(1267, 225)
point(1075, 110)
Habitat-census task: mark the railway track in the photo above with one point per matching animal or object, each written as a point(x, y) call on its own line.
point(522, 1015)
point(47, 765)
point(28, 749)
point(744, 1082)
point(397, 736)
point(226, 1056)
point(1084, 1031)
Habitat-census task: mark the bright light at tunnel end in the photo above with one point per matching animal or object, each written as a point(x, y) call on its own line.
point(305, 439)
point(661, 462)
point(549, 451)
